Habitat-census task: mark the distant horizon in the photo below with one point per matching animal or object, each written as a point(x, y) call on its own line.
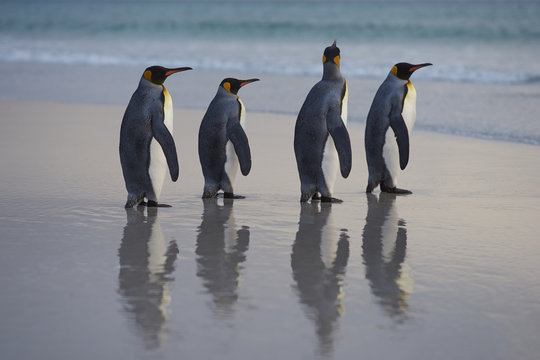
point(279, 1)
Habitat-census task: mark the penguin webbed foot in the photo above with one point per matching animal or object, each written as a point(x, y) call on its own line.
point(318, 197)
point(152, 203)
point(229, 195)
point(395, 190)
point(403, 191)
point(333, 200)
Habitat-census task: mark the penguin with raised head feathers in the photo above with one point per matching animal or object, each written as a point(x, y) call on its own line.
point(321, 140)
point(388, 126)
point(146, 144)
point(223, 143)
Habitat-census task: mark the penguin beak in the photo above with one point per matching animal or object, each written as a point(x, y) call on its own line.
point(172, 71)
point(245, 82)
point(416, 67)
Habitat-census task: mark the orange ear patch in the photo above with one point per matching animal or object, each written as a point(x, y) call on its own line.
point(148, 75)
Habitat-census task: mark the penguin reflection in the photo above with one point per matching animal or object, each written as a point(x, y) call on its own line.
point(221, 249)
point(145, 267)
point(384, 246)
point(318, 260)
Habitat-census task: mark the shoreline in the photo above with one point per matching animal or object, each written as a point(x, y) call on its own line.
point(486, 111)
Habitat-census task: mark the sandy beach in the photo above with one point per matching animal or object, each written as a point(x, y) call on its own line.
point(448, 272)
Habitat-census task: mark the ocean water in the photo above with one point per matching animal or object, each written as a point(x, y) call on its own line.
point(485, 81)
point(479, 42)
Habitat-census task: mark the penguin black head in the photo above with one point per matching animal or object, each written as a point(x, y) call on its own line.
point(331, 54)
point(404, 71)
point(232, 85)
point(158, 74)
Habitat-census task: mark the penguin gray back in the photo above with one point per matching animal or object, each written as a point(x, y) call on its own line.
point(321, 138)
point(222, 113)
point(324, 113)
point(222, 123)
point(387, 104)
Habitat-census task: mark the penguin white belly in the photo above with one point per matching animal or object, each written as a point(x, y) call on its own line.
point(330, 161)
point(158, 163)
point(391, 156)
point(330, 164)
point(231, 163)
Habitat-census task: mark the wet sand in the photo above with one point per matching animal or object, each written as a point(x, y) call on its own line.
point(448, 272)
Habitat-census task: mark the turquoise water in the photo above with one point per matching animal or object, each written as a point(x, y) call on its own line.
point(478, 42)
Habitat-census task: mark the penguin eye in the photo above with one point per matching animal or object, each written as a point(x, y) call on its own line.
point(227, 86)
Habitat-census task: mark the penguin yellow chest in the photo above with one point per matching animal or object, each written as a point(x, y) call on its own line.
point(409, 107)
point(158, 163)
point(168, 110)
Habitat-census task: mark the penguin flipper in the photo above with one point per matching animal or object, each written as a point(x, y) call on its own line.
point(342, 141)
point(239, 139)
point(402, 137)
point(165, 139)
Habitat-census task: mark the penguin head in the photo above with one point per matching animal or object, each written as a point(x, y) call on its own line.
point(158, 74)
point(404, 70)
point(232, 85)
point(331, 54)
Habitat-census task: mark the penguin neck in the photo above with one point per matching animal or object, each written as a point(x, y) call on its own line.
point(331, 71)
point(394, 78)
point(222, 92)
point(150, 85)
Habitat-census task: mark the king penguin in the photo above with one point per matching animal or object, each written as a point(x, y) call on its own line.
point(223, 143)
point(146, 144)
point(321, 138)
point(388, 126)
